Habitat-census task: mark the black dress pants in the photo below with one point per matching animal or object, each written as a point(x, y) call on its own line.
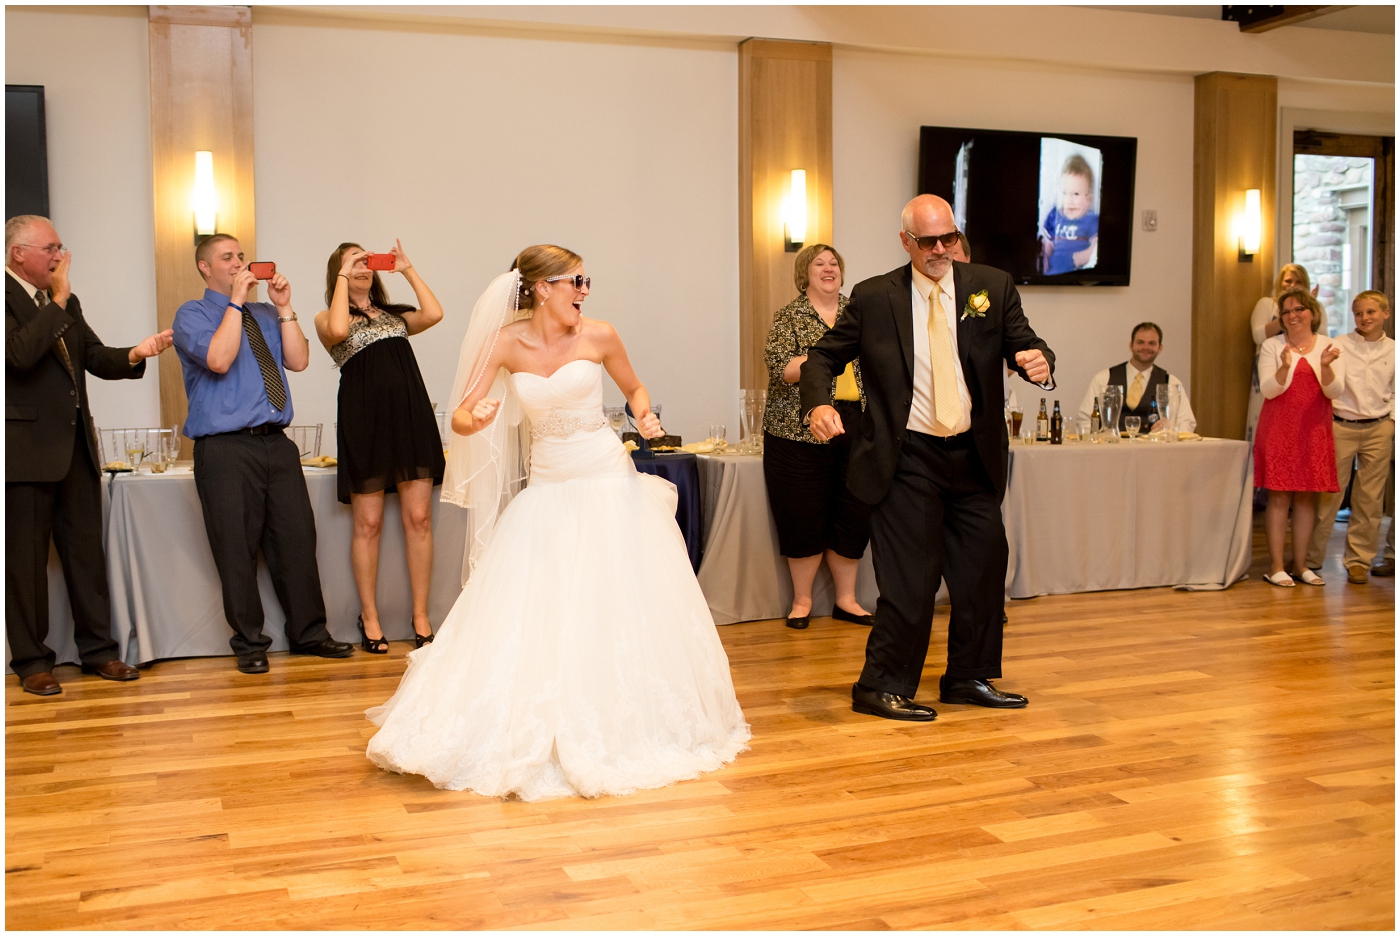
point(253, 495)
point(941, 519)
point(70, 512)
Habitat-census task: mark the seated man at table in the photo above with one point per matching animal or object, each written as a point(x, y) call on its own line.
point(1139, 376)
point(246, 470)
point(52, 486)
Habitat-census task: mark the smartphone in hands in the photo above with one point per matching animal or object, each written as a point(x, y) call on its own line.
point(383, 262)
point(262, 269)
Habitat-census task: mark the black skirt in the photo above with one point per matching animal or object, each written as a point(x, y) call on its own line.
point(813, 508)
point(387, 432)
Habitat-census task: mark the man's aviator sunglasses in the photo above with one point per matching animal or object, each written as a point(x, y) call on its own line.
point(949, 240)
point(579, 280)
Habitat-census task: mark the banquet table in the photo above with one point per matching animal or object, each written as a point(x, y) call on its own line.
point(166, 599)
point(742, 575)
point(1137, 514)
point(680, 469)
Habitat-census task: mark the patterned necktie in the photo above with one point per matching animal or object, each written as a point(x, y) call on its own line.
point(947, 405)
point(41, 298)
point(1135, 391)
point(272, 380)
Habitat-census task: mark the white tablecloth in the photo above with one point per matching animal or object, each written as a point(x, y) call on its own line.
point(1082, 518)
point(166, 600)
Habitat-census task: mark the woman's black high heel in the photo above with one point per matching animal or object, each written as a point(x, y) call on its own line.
point(419, 640)
point(368, 644)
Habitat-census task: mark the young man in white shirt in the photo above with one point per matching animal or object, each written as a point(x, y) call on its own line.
point(1140, 377)
point(1363, 426)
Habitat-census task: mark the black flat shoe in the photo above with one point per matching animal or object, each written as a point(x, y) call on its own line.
point(839, 613)
point(799, 623)
point(330, 648)
point(977, 692)
point(371, 644)
point(888, 705)
point(420, 640)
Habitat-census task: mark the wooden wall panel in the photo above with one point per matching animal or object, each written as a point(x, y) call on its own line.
point(784, 124)
point(201, 99)
point(1236, 144)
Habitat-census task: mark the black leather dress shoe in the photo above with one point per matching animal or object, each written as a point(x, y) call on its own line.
point(799, 623)
point(329, 648)
point(888, 705)
point(977, 692)
point(840, 614)
point(1383, 569)
point(254, 663)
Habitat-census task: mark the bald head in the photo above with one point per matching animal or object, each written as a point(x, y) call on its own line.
point(928, 217)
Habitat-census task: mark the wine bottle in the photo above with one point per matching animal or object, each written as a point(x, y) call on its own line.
point(1042, 424)
point(1095, 418)
point(1057, 426)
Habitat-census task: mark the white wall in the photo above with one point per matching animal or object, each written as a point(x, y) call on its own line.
point(470, 148)
point(93, 64)
point(880, 101)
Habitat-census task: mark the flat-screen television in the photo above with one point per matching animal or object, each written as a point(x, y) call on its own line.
point(26, 152)
point(1048, 208)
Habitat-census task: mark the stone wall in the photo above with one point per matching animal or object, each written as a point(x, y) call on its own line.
point(1320, 227)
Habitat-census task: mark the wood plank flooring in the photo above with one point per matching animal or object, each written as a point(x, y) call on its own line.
point(1194, 761)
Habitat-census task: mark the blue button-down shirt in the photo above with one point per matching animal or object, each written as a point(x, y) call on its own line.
point(236, 399)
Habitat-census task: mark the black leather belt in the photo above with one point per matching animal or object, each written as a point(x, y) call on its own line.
point(264, 429)
point(1357, 422)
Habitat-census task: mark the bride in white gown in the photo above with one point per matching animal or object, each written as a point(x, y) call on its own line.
point(581, 657)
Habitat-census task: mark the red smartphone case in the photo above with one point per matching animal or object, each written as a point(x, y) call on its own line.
point(380, 261)
point(263, 269)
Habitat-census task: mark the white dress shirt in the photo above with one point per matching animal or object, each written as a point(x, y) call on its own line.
point(1368, 390)
point(921, 418)
point(1270, 354)
point(1185, 416)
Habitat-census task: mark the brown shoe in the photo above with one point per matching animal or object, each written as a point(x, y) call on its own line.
point(114, 669)
point(41, 684)
point(1357, 575)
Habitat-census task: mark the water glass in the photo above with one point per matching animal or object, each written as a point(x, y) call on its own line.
point(1085, 433)
point(1015, 412)
point(1112, 408)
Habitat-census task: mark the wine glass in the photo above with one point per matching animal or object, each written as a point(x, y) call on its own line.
point(135, 449)
point(718, 435)
point(1132, 424)
point(617, 418)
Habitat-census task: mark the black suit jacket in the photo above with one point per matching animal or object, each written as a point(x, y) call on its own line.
point(43, 401)
point(879, 328)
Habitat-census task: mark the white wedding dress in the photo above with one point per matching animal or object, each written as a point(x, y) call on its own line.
point(581, 657)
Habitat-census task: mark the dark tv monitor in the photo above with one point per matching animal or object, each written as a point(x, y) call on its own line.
point(26, 152)
point(1048, 208)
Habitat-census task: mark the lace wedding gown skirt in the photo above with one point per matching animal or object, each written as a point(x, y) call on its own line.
point(581, 658)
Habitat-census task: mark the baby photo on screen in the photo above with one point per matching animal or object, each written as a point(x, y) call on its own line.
point(1068, 212)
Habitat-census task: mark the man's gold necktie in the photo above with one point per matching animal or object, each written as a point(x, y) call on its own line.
point(947, 405)
point(1135, 391)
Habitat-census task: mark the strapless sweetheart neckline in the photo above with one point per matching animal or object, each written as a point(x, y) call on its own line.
point(581, 360)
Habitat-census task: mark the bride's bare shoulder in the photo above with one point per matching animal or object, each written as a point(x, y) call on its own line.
point(598, 330)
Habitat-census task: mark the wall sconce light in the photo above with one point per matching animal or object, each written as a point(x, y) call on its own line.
point(795, 213)
point(1251, 226)
point(204, 200)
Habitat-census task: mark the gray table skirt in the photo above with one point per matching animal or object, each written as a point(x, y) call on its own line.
point(1083, 518)
point(166, 600)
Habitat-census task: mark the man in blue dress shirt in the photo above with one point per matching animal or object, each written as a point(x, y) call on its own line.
point(246, 469)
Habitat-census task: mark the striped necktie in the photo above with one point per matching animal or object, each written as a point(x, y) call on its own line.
point(272, 379)
point(947, 405)
point(41, 299)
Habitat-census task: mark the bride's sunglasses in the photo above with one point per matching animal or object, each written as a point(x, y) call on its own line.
point(579, 280)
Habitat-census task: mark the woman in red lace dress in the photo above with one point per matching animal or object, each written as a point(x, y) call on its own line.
point(1294, 456)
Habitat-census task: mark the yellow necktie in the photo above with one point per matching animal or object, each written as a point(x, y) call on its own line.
point(1135, 392)
point(947, 405)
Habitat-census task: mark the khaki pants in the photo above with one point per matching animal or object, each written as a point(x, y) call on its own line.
point(1372, 445)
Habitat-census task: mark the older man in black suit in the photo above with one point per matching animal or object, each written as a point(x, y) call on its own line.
point(52, 486)
point(930, 456)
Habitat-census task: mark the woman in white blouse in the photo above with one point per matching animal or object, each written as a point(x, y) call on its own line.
point(1294, 455)
point(1264, 324)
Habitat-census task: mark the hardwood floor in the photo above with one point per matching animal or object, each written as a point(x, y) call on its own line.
point(1195, 761)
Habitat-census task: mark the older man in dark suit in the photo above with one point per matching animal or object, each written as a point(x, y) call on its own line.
point(930, 456)
point(52, 486)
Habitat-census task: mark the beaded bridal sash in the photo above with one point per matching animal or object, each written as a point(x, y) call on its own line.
point(559, 424)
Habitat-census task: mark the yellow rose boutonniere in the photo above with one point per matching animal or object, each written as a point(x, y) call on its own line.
point(977, 305)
